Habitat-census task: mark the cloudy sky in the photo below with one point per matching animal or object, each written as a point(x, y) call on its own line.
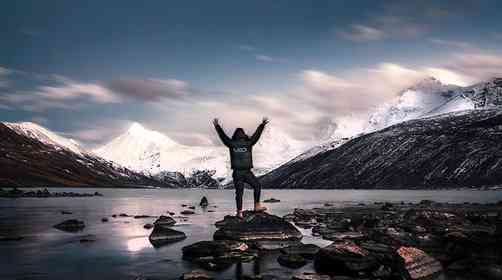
point(87, 69)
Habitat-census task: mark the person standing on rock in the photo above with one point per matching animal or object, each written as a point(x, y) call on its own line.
point(241, 159)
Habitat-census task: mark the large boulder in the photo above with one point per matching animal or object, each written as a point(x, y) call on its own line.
point(344, 258)
point(257, 226)
point(162, 235)
point(417, 265)
point(71, 225)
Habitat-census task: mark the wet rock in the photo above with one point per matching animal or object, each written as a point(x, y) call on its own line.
point(310, 276)
point(349, 235)
point(104, 219)
point(142, 217)
point(196, 275)
point(271, 200)
point(123, 215)
point(191, 207)
point(291, 260)
point(72, 225)
point(344, 258)
point(11, 238)
point(212, 248)
point(161, 235)
point(114, 216)
point(88, 239)
point(148, 226)
point(204, 202)
point(417, 265)
point(227, 220)
point(187, 212)
point(257, 226)
point(217, 255)
point(165, 221)
point(307, 251)
point(387, 206)
point(66, 212)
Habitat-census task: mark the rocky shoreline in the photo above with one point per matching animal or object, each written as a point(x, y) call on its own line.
point(421, 241)
point(44, 193)
point(382, 240)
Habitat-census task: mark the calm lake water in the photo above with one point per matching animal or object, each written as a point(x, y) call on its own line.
point(122, 249)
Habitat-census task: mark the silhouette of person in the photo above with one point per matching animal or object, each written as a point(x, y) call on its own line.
point(241, 159)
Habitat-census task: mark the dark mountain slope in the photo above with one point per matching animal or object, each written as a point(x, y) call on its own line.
point(461, 149)
point(25, 161)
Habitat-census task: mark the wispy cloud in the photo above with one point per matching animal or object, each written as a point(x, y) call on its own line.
point(362, 33)
point(149, 89)
point(451, 43)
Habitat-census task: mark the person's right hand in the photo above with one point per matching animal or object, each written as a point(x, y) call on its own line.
point(216, 122)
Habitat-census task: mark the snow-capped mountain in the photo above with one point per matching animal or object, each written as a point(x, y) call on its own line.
point(414, 102)
point(45, 136)
point(152, 152)
point(425, 99)
point(34, 156)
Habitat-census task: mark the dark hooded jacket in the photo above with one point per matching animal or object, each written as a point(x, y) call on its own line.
point(240, 146)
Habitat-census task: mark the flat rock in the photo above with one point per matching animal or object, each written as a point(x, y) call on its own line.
point(417, 265)
point(291, 260)
point(163, 235)
point(257, 226)
point(344, 258)
point(271, 200)
point(187, 212)
point(71, 225)
point(148, 226)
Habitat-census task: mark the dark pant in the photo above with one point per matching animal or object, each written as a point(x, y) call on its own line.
point(240, 178)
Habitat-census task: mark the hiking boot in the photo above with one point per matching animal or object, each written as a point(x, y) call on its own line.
point(259, 208)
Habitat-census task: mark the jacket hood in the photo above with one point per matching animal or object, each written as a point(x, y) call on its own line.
point(239, 134)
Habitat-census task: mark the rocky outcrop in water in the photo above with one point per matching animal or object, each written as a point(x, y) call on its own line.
point(447, 151)
point(259, 228)
point(71, 225)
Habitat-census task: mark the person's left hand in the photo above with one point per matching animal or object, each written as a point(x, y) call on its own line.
point(216, 122)
point(265, 121)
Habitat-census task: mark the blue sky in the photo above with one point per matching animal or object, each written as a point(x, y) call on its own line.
point(88, 69)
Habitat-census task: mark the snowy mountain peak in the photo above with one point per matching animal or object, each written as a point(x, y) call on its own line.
point(45, 136)
point(136, 128)
point(429, 85)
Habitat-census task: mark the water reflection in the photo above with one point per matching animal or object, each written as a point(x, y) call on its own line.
point(138, 244)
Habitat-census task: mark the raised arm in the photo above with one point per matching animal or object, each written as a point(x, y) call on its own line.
point(259, 130)
point(224, 138)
